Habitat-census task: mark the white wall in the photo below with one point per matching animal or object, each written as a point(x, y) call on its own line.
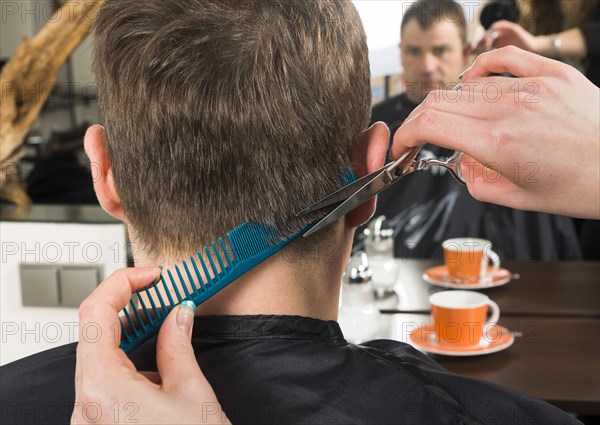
point(28, 330)
point(15, 24)
point(19, 19)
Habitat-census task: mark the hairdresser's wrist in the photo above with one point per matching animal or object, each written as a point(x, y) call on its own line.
point(544, 45)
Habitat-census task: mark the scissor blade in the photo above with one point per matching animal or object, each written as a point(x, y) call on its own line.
point(372, 188)
point(340, 195)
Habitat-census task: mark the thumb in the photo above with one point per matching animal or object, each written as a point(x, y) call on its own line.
point(175, 358)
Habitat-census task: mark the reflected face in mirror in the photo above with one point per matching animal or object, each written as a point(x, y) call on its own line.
point(431, 58)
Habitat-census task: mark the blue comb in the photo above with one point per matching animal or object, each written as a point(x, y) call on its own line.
point(207, 271)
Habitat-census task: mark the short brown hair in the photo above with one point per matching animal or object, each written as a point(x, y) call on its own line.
point(429, 12)
point(218, 111)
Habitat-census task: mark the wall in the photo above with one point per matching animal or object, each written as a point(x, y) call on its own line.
point(28, 330)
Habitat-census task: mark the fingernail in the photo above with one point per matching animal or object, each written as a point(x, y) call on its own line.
point(185, 316)
point(158, 273)
point(460, 77)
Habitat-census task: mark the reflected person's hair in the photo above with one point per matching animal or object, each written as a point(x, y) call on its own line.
point(541, 17)
point(218, 111)
point(429, 12)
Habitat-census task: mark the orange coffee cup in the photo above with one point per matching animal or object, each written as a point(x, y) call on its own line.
point(467, 259)
point(460, 317)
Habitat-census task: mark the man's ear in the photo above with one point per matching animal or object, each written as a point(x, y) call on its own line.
point(104, 184)
point(368, 155)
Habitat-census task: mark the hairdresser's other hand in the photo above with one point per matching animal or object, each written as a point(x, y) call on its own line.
point(506, 33)
point(108, 388)
point(484, 44)
point(539, 132)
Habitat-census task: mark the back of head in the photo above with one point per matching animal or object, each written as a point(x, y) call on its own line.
point(430, 12)
point(219, 111)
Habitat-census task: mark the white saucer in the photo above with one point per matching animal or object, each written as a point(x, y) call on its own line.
point(439, 276)
point(424, 339)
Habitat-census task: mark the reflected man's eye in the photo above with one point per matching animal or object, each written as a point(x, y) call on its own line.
point(439, 51)
point(413, 51)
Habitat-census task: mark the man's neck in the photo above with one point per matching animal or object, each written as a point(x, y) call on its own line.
point(285, 284)
point(281, 287)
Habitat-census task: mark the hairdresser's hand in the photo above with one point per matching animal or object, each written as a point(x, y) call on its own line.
point(505, 33)
point(485, 44)
point(539, 131)
point(109, 390)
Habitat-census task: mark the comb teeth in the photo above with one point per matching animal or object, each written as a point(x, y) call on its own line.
point(141, 301)
point(154, 309)
point(189, 275)
point(218, 255)
point(182, 281)
point(174, 286)
point(137, 315)
point(171, 302)
point(204, 268)
point(160, 298)
point(212, 264)
point(245, 239)
point(227, 258)
point(198, 275)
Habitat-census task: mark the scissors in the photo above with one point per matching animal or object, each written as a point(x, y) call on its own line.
point(355, 194)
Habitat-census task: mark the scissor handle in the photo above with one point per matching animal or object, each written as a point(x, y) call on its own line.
point(452, 164)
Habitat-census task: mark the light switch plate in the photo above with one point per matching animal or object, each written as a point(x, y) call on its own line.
point(39, 285)
point(76, 283)
point(58, 285)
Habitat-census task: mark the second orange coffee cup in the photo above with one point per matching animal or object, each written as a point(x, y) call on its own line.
point(460, 317)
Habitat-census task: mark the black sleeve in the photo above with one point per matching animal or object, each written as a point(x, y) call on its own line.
point(591, 34)
point(39, 389)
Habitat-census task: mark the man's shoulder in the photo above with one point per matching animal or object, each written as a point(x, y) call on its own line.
point(463, 397)
point(381, 381)
point(63, 355)
point(39, 388)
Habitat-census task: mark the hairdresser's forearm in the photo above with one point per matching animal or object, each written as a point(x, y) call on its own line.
point(572, 45)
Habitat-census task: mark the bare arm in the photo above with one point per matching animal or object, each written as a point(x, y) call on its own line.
point(571, 43)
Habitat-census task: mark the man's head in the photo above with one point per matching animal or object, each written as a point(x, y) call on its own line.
point(219, 111)
point(432, 46)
